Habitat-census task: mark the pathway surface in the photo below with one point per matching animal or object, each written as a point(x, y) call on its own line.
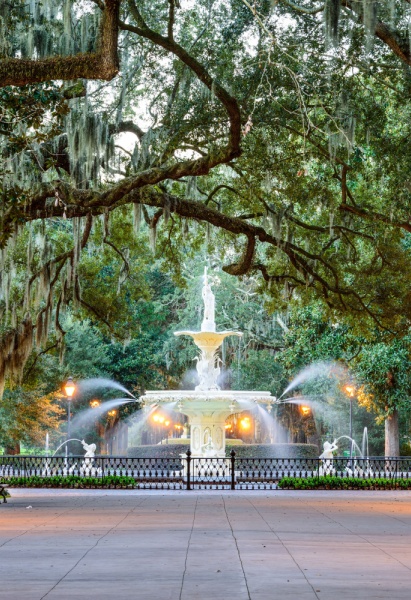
point(154, 545)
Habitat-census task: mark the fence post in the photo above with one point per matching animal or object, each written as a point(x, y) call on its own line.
point(232, 454)
point(189, 459)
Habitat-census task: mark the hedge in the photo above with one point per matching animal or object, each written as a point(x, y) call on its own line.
point(72, 481)
point(241, 450)
point(343, 483)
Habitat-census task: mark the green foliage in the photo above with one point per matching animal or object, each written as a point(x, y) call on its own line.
point(343, 483)
point(260, 370)
point(73, 481)
point(26, 416)
point(87, 352)
point(241, 450)
point(384, 371)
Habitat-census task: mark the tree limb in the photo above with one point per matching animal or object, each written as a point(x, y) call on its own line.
point(102, 64)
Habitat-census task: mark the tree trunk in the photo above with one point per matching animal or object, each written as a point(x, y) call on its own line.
point(392, 437)
point(14, 449)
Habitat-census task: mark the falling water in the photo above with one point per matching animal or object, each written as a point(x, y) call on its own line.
point(64, 443)
point(327, 412)
point(137, 422)
point(320, 369)
point(101, 382)
point(88, 416)
point(354, 444)
point(278, 434)
point(364, 445)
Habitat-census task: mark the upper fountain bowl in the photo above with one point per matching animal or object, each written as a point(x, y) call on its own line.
point(208, 341)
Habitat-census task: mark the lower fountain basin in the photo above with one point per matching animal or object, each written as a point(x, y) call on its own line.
point(233, 401)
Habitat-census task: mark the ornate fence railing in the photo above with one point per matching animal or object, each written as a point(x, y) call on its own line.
point(190, 472)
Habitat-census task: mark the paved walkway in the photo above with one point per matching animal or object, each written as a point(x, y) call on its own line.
point(146, 545)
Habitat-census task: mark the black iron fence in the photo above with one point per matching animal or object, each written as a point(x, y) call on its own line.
point(190, 472)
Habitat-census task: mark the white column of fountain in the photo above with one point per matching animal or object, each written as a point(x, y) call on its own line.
point(208, 406)
point(207, 419)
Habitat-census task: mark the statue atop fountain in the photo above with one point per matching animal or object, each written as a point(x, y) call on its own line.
point(208, 340)
point(208, 323)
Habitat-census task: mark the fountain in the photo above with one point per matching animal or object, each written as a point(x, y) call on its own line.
point(208, 407)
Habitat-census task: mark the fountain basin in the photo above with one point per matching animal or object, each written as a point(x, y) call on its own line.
point(208, 411)
point(208, 341)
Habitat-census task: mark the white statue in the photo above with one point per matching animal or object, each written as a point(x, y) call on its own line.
point(90, 449)
point(207, 372)
point(327, 466)
point(208, 450)
point(208, 323)
point(329, 449)
point(87, 467)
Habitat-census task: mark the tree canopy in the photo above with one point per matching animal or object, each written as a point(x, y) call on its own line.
point(274, 138)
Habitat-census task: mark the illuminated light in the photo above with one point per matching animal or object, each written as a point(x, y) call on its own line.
point(350, 390)
point(161, 420)
point(305, 410)
point(167, 423)
point(177, 426)
point(245, 423)
point(94, 403)
point(112, 413)
point(70, 387)
point(156, 418)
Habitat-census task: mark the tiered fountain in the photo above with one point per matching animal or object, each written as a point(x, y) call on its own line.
point(208, 406)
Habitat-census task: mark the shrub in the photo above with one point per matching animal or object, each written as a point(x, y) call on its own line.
point(343, 483)
point(241, 450)
point(72, 481)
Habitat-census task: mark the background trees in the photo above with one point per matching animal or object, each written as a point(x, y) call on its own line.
point(252, 131)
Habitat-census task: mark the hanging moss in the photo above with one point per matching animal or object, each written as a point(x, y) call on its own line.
point(331, 18)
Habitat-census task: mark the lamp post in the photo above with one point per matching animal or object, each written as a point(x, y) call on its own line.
point(350, 390)
point(69, 388)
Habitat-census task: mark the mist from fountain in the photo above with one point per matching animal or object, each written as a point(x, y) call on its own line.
point(137, 421)
point(277, 433)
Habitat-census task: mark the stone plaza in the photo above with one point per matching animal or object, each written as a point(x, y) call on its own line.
point(179, 545)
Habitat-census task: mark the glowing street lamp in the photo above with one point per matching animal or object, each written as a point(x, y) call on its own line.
point(69, 389)
point(350, 390)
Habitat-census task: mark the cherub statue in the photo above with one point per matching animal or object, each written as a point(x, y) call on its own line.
point(327, 466)
point(329, 448)
point(208, 450)
point(90, 449)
